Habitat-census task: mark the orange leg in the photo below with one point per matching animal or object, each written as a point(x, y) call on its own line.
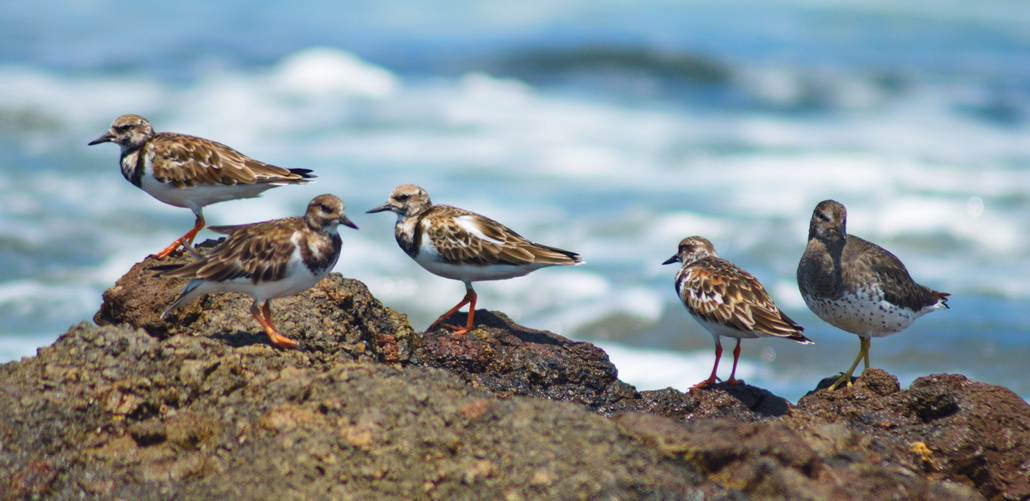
point(264, 317)
point(469, 299)
point(185, 240)
point(736, 356)
point(712, 379)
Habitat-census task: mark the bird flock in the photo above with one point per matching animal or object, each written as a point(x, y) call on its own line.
point(848, 282)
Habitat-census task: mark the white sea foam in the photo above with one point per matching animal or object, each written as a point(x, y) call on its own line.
point(40, 302)
point(322, 72)
point(649, 369)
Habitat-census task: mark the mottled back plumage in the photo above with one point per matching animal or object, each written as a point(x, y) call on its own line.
point(189, 171)
point(462, 245)
point(464, 237)
point(836, 265)
point(727, 301)
point(184, 161)
point(267, 260)
point(719, 292)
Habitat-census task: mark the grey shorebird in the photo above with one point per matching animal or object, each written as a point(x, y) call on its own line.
point(858, 286)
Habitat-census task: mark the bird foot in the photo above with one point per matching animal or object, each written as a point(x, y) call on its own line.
point(706, 382)
point(455, 329)
point(843, 379)
point(282, 341)
point(174, 248)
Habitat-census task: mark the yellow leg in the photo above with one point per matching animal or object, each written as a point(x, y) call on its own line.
point(863, 352)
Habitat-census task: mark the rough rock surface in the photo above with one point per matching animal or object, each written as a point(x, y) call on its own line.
point(201, 406)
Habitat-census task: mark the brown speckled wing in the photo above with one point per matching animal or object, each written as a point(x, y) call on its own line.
point(227, 229)
point(718, 291)
point(260, 252)
point(183, 161)
point(497, 245)
point(865, 262)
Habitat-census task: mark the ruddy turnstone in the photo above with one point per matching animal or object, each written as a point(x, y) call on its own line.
point(462, 245)
point(191, 172)
point(267, 260)
point(727, 301)
point(857, 285)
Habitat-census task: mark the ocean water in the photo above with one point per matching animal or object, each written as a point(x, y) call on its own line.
point(610, 128)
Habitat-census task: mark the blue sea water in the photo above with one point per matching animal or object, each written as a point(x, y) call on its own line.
point(606, 127)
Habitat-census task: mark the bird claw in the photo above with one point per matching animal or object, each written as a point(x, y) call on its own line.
point(844, 378)
point(456, 329)
point(706, 382)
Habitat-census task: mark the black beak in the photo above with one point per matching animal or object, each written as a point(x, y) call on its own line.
point(344, 220)
point(380, 208)
point(106, 138)
point(673, 259)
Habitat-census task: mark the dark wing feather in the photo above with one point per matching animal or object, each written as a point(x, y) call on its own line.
point(185, 161)
point(871, 263)
point(260, 252)
point(501, 245)
point(718, 291)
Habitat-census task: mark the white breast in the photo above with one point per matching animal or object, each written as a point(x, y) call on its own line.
point(431, 260)
point(865, 314)
point(195, 197)
point(298, 279)
point(716, 329)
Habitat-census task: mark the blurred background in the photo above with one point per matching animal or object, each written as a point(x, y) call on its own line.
point(611, 128)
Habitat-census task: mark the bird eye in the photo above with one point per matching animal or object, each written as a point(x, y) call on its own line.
point(122, 128)
point(403, 197)
point(823, 216)
point(325, 208)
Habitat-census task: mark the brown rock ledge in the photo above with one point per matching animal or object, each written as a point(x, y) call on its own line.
point(201, 407)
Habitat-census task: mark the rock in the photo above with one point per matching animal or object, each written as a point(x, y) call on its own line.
point(113, 412)
point(947, 426)
point(508, 359)
point(200, 405)
point(776, 459)
point(739, 403)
